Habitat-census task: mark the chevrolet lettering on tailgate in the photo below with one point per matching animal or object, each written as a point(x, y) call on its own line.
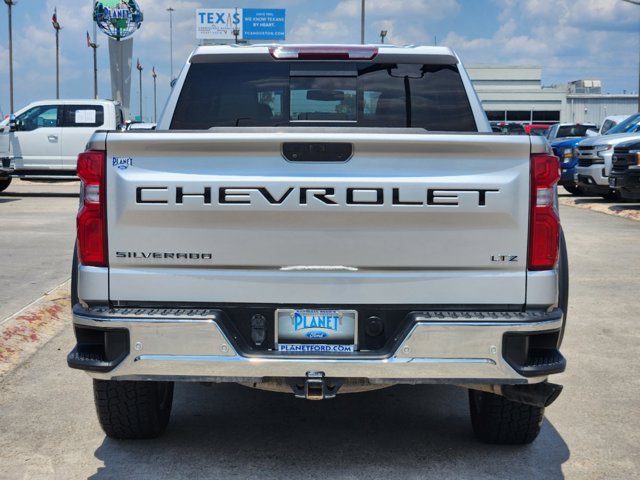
point(303, 195)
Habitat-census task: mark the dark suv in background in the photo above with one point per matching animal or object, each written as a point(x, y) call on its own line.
point(625, 171)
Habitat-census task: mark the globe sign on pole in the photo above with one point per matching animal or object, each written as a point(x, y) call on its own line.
point(118, 19)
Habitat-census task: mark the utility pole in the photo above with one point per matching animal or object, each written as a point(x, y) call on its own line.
point(139, 67)
point(57, 27)
point(10, 3)
point(362, 23)
point(171, 10)
point(155, 103)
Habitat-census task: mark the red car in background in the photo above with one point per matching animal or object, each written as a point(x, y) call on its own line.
point(536, 129)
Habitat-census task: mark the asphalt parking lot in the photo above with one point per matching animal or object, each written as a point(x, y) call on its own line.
point(48, 427)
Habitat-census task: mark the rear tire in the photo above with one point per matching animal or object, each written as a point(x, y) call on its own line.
point(133, 410)
point(497, 420)
point(4, 183)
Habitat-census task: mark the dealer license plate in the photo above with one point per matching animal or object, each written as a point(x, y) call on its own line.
point(316, 331)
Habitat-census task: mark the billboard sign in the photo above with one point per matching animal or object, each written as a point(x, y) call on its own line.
point(250, 23)
point(263, 24)
point(218, 23)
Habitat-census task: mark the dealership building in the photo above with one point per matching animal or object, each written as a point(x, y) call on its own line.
point(515, 93)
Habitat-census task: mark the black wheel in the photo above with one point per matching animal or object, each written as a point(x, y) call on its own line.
point(500, 421)
point(132, 410)
point(573, 189)
point(4, 183)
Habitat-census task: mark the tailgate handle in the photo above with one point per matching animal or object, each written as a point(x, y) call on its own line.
point(317, 152)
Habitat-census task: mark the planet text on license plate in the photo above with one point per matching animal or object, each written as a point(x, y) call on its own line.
point(316, 331)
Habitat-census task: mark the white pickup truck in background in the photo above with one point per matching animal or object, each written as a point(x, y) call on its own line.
point(43, 139)
point(320, 220)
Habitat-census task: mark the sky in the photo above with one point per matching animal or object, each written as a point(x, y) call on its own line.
point(569, 39)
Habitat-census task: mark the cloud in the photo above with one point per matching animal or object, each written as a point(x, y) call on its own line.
point(461, 43)
point(435, 9)
point(316, 31)
point(569, 39)
point(72, 15)
point(563, 36)
point(403, 20)
point(588, 14)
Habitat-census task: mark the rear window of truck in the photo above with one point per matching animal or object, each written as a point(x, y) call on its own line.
point(325, 94)
point(573, 130)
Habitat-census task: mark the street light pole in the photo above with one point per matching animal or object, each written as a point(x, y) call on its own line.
point(57, 27)
point(10, 3)
point(171, 10)
point(139, 67)
point(383, 33)
point(362, 23)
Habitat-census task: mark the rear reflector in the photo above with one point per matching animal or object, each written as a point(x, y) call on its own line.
point(544, 228)
point(292, 52)
point(91, 219)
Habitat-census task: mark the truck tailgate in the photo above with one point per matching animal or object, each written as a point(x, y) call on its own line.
point(410, 218)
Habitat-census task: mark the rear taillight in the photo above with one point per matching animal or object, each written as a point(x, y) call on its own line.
point(323, 52)
point(91, 220)
point(544, 227)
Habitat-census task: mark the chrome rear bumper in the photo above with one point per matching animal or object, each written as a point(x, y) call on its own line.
point(457, 347)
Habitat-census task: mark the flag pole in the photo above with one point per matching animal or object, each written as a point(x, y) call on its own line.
point(57, 27)
point(155, 103)
point(139, 67)
point(94, 46)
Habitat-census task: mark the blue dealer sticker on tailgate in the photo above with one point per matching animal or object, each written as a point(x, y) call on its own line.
point(122, 163)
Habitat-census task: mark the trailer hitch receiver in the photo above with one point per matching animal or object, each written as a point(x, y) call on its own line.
point(315, 387)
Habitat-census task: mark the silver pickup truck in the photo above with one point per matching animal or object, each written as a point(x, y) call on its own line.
point(316, 220)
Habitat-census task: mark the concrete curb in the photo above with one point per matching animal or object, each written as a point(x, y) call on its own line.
point(625, 210)
point(22, 334)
